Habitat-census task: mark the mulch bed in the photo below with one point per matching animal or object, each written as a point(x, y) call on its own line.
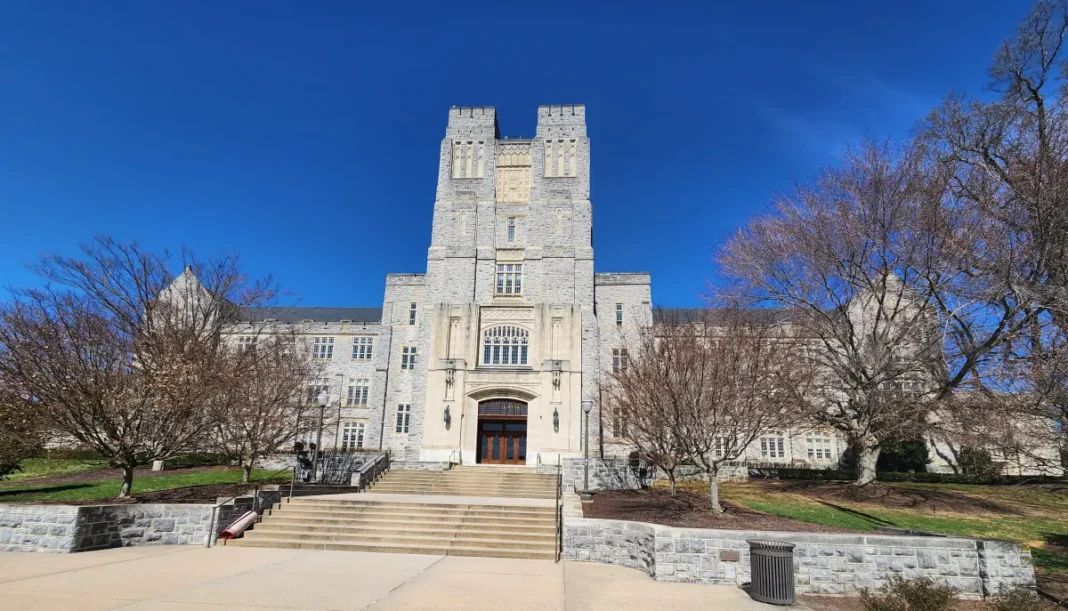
point(190, 494)
point(688, 510)
point(99, 475)
point(892, 497)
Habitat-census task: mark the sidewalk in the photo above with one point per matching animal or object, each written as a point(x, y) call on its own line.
point(258, 579)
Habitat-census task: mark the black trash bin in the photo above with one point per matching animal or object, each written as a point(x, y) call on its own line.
point(772, 564)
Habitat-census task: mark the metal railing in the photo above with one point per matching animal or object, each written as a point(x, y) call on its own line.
point(369, 473)
point(255, 501)
point(559, 510)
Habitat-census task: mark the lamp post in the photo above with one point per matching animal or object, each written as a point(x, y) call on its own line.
point(585, 493)
point(322, 399)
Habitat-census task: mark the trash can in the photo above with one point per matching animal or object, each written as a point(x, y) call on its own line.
point(772, 564)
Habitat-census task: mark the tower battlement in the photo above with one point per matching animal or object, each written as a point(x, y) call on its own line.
point(562, 120)
point(472, 119)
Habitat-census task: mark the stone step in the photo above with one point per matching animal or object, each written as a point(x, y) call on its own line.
point(502, 552)
point(413, 538)
point(356, 510)
point(475, 493)
point(465, 490)
point(414, 517)
point(434, 508)
point(410, 525)
point(280, 525)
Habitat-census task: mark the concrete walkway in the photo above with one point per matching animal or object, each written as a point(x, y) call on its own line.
point(257, 579)
point(389, 497)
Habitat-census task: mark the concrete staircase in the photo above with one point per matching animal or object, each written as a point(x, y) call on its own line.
point(515, 482)
point(368, 525)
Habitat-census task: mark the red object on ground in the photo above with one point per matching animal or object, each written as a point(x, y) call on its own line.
point(239, 526)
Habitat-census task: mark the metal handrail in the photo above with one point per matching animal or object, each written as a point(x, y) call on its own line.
point(559, 510)
point(379, 466)
point(255, 501)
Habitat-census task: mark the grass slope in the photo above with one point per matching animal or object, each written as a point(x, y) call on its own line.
point(109, 489)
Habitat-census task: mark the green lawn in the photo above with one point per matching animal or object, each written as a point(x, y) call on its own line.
point(109, 489)
point(45, 467)
point(1027, 514)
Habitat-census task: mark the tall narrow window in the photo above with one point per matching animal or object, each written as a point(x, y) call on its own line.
point(408, 355)
point(509, 278)
point(411, 312)
point(358, 391)
point(619, 360)
point(361, 348)
point(323, 348)
point(505, 345)
point(352, 435)
point(404, 417)
point(619, 314)
point(511, 229)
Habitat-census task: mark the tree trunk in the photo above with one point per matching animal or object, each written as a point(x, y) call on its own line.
point(867, 458)
point(671, 479)
point(713, 487)
point(127, 481)
point(246, 472)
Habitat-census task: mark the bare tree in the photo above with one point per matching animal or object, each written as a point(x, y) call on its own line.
point(21, 433)
point(703, 385)
point(854, 260)
point(1008, 163)
point(260, 408)
point(121, 355)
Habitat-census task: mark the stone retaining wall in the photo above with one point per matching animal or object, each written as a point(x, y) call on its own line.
point(404, 465)
point(824, 563)
point(63, 528)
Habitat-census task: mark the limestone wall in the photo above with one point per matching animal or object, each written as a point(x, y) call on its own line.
point(62, 528)
point(824, 563)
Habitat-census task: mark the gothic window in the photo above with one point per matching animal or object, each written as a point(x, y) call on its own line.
point(352, 435)
point(362, 347)
point(404, 417)
point(468, 158)
point(408, 355)
point(323, 348)
point(505, 345)
point(511, 229)
point(509, 278)
point(358, 391)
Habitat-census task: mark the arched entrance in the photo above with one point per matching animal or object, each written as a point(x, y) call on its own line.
point(502, 432)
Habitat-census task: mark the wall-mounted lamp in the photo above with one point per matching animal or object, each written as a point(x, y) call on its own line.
point(448, 418)
point(556, 420)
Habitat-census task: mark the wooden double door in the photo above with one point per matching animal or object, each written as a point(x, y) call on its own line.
point(502, 442)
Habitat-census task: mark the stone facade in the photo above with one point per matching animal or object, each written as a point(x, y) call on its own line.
point(59, 528)
point(824, 563)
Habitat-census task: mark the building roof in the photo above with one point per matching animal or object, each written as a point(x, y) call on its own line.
point(301, 314)
point(685, 315)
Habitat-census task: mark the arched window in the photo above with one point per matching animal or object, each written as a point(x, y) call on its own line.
point(505, 345)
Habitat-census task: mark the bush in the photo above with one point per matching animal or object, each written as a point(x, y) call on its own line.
point(1020, 600)
point(904, 455)
point(830, 475)
point(916, 595)
point(197, 459)
point(977, 461)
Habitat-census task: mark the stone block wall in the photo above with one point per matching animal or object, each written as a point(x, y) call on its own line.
point(62, 528)
point(419, 466)
point(824, 563)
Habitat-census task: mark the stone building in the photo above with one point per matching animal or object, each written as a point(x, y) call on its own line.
point(488, 355)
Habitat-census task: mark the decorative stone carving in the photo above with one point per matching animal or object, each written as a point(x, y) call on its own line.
point(513, 185)
point(508, 314)
point(510, 255)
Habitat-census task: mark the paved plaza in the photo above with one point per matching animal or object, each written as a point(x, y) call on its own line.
point(256, 579)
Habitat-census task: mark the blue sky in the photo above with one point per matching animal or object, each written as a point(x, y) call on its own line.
point(304, 136)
